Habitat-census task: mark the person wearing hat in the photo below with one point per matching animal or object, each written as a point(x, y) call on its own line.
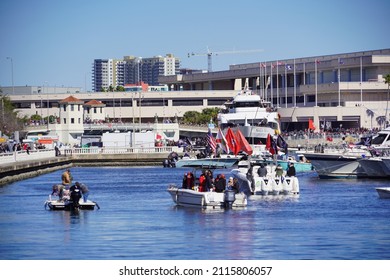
point(291, 170)
point(279, 171)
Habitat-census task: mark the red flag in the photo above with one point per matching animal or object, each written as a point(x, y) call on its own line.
point(271, 145)
point(232, 141)
point(311, 125)
point(243, 143)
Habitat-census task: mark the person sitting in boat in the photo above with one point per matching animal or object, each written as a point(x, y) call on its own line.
point(262, 171)
point(75, 194)
point(220, 183)
point(291, 170)
point(58, 190)
point(188, 181)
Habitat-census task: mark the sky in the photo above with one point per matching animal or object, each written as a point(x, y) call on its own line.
point(54, 42)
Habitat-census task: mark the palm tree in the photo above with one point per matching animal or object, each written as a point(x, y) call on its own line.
point(387, 81)
point(370, 114)
point(381, 120)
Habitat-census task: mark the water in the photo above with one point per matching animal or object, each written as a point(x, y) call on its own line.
point(139, 221)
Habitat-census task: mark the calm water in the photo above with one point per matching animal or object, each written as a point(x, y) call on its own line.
point(139, 221)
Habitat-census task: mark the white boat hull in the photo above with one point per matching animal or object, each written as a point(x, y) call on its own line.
point(383, 192)
point(223, 162)
point(193, 198)
point(57, 204)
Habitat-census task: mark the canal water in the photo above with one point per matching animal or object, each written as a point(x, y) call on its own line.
point(137, 220)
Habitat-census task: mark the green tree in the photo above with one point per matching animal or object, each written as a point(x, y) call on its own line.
point(9, 121)
point(120, 88)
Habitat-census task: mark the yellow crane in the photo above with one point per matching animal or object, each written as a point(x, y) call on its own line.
point(209, 54)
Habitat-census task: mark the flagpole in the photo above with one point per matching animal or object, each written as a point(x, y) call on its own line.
point(277, 84)
point(285, 84)
point(361, 80)
point(315, 77)
point(295, 88)
point(272, 88)
point(265, 81)
point(338, 81)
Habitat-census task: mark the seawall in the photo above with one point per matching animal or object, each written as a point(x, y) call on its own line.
point(27, 169)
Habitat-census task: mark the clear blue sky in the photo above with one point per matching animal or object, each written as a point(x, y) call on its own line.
point(54, 42)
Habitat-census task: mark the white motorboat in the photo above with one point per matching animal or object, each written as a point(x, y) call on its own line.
point(195, 198)
point(267, 185)
point(376, 167)
point(383, 192)
point(225, 161)
point(253, 116)
point(67, 204)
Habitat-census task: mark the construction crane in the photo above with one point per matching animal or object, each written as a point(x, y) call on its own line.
point(209, 54)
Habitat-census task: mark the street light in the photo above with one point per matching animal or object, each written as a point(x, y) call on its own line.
point(12, 74)
point(139, 84)
point(47, 95)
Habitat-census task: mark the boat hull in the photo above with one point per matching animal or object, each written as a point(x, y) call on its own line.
point(67, 205)
point(383, 192)
point(193, 198)
point(207, 162)
point(330, 166)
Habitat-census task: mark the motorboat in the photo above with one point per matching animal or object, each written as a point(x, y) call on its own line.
point(211, 199)
point(195, 196)
point(376, 167)
point(271, 184)
point(54, 203)
point(252, 115)
point(383, 192)
point(225, 161)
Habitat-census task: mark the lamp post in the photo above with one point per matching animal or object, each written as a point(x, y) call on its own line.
point(47, 105)
point(139, 84)
point(12, 74)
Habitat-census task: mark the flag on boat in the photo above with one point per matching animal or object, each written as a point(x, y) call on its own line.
point(282, 144)
point(271, 145)
point(211, 141)
point(221, 140)
point(232, 141)
point(311, 125)
point(243, 143)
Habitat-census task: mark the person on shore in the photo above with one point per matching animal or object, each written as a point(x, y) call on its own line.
point(66, 178)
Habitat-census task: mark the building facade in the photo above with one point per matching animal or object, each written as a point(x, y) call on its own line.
point(132, 70)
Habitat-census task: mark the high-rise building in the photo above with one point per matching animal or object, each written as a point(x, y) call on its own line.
point(132, 70)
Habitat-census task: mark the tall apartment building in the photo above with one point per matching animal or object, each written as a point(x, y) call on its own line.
point(131, 70)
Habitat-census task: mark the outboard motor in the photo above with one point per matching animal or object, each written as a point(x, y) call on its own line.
point(229, 198)
point(75, 196)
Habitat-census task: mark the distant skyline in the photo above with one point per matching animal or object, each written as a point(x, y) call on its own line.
point(54, 43)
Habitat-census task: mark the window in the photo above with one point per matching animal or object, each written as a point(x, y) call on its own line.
point(72, 107)
point(64, 107)
point(72, 120)
point(79, 120)
point(64, 120)
point(94, 110)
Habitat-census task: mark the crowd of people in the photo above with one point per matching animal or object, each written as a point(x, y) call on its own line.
point(207, 182)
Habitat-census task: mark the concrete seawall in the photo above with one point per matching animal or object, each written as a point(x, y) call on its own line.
point(27, 169)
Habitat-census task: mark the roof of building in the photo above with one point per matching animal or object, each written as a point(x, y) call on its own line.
point(95, 103)
point(71, 100)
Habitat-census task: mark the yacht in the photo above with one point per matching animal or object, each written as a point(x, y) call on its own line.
point(253, 116)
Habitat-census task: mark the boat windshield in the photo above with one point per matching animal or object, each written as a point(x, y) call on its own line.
point(379, 139)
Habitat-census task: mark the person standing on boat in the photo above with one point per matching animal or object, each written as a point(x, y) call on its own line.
point(66, 178)
point(262, 171)
point(236, 186)
point(75, 194)
point(84, 190)
point(291, 170)
point(209, 180)
point(279, 171)
point(220, 183)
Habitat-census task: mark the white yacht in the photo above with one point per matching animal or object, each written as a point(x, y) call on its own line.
point(253, 116)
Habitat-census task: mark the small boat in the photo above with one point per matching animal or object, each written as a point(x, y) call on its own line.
point(67, 204)
point(215, 162)
point(383, 192)
point(195, 198)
